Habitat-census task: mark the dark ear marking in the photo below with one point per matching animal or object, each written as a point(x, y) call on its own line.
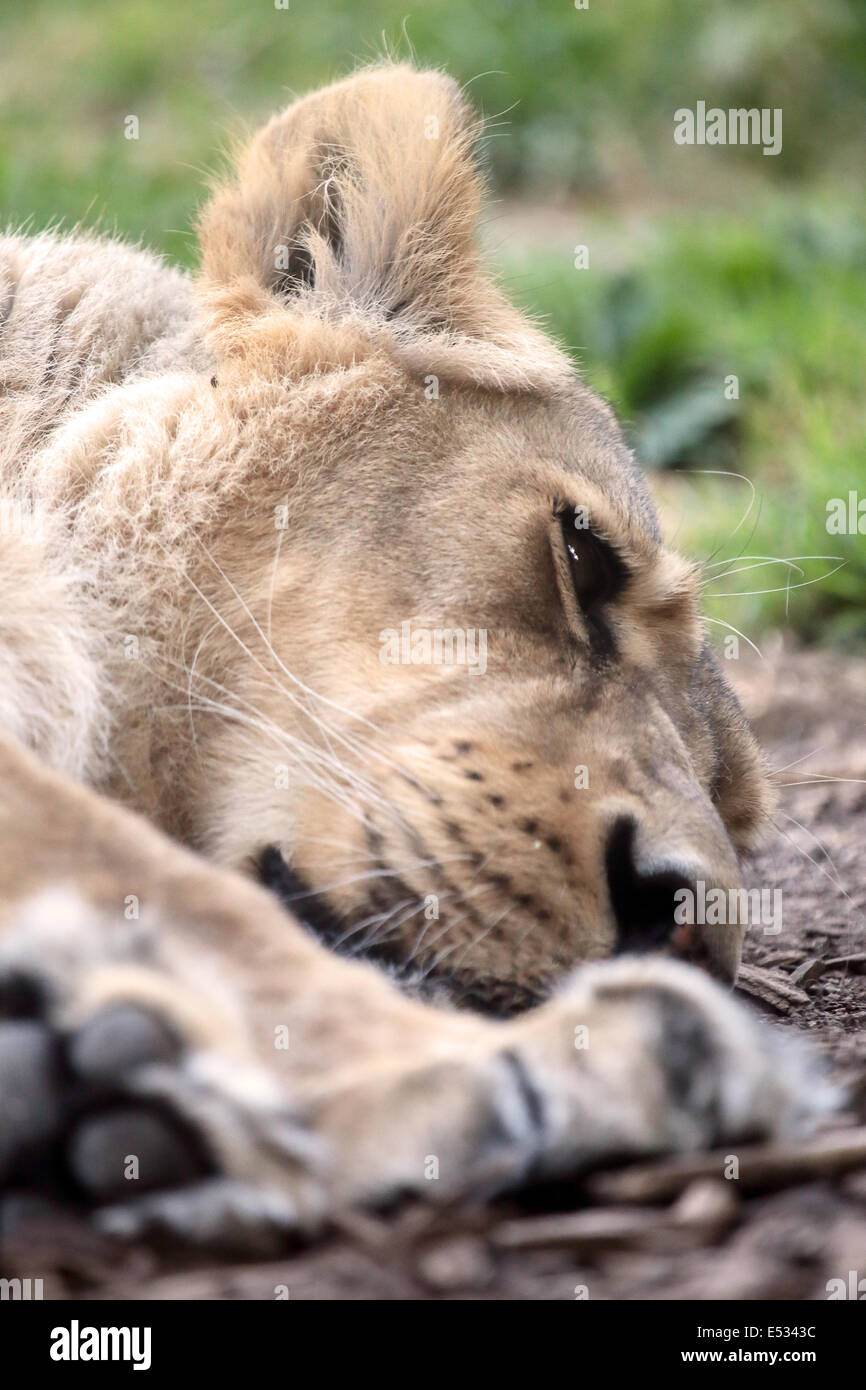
point(598, 576)
point(301, 271)
point(326, 216)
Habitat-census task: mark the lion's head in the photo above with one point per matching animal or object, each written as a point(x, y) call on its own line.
point(478, 731)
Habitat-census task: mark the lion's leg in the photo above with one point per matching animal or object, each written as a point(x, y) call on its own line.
point(165, 1020)
point(179, 1050)
point(57, 836)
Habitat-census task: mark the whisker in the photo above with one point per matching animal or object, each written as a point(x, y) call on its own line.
point(743, 569)
point(304, 754)
point(821, 846)
point(482, 936)
point(784, 588)
point(442, 897)
point(794, 761)
point(819, 780)
point(371, 874)
point(724, 473)
point(720, 622)
point(307, 690)
point(377, 917)
point(813, 861)
point(766, 559)
point(360, 784)
point(378, 935)
point(273, 584)
point(343, 738)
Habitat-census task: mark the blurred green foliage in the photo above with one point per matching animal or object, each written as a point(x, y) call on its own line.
point(589, 94)
point(743, 264)
point(779, 303)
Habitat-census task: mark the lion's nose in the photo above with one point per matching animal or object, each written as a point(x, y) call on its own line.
point(653, 898)
point(644, 898)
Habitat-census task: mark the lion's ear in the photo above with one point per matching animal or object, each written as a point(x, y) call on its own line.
point(352, 218)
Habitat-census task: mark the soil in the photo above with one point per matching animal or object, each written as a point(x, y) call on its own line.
point(785, 1235)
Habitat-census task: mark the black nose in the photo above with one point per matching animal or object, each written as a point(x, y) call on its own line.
point(643, 902)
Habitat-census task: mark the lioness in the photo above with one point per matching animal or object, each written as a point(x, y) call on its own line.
point(221, 500)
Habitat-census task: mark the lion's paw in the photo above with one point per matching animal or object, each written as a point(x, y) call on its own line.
point(647, 1055)
point(113, 1091)
point(110, 1099)
point(633, 1057)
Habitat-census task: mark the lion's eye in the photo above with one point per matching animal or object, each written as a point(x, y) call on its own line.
point(597, 572)
point(598, 575)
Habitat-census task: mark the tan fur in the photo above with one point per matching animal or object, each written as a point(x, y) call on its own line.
point(236, 487)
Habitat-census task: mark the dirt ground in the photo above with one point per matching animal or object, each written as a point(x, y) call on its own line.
point(791, 1223)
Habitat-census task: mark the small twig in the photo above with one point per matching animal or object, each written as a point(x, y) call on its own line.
point(808, 971)
point(760, 1168)
point(771, 988)
point(703, 1213)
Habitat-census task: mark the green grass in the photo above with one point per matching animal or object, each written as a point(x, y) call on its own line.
point(753, 266)
point(780, 303)
point(588, 96)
